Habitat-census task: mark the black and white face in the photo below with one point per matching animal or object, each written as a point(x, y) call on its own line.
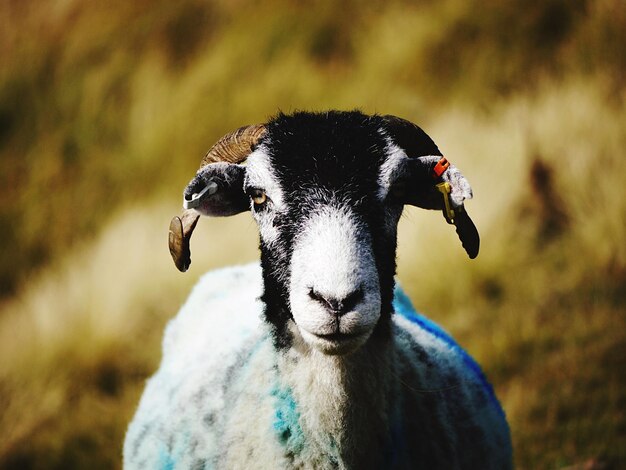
point(327, 191)
point(328, 229)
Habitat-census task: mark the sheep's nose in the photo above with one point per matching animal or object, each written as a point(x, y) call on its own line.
point(337, 306)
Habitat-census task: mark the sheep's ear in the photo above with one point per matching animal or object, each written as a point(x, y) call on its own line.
point(431, 182)
point(423, 181)
point(426, 179)
point(216, 190)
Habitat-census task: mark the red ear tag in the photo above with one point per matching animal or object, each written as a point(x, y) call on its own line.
point(441, 166)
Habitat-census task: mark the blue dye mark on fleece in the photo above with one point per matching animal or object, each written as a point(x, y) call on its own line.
point(169, 458)
point(287, 420)
point(166, 461)
point(403, 306)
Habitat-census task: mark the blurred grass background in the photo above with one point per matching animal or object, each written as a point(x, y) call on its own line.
point(106, 109)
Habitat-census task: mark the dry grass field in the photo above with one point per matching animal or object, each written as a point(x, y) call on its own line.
point(106, 109)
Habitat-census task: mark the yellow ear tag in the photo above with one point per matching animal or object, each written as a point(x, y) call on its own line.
point(448, 212)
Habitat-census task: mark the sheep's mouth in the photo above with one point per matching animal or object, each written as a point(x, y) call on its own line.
point(336, 343)
point(339, 337)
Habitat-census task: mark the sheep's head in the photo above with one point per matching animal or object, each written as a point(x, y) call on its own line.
point(327, 191)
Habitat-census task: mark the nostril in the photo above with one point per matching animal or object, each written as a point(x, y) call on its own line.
point(352, 300)
point(327, 303)
point(337, 306)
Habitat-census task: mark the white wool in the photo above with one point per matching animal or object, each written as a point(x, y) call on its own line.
point(224, 397)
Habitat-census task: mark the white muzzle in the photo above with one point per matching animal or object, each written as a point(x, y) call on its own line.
point(334, 290)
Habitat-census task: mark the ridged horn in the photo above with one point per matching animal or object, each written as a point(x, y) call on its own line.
point(181, 228)
point(235, 146)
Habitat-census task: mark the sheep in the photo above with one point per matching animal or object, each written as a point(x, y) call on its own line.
point(315, 357)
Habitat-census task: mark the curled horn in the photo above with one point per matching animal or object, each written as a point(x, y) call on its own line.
point(234, 147)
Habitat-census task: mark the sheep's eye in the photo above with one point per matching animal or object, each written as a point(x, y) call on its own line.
point(258, 196)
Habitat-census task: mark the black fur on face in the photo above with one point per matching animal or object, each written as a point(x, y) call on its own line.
point(334, 183)
point(326, 159)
